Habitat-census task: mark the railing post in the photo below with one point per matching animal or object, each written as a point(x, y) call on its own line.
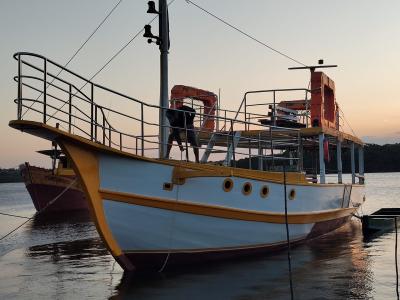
point(142, 126)
point(109, 135)
point(272, 165)
point(233, 145)
point(307, 112)
point(186, 137)
point(321, 138)
point(299, 153)
point(44, 91)
point(95, 123)
point(70, 109)
point(19, 111)
point(353, 164)
point(225, 120)
point(274, 112)
point(91, 111)
point(259, 153)
point(361, 164)
point(120, 141)
point(249, 153)
point(339, 160)
point(245, 114)
point(104, 130)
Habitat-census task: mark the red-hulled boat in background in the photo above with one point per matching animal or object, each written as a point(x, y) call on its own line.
point(45, 185)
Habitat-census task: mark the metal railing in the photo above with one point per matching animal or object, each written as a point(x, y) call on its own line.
point(79, 106)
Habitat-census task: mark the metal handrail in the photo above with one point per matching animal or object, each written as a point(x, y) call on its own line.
point(94, 115)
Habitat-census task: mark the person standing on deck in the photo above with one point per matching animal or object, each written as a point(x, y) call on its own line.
point(181, 118)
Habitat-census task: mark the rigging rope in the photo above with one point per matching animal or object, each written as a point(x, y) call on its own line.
point(287, 233)
point(348, 124)
point(395, 259)
point(38, 212)
point(110, 60)
point(12, 215)
point(246, 34)
point(76, 53)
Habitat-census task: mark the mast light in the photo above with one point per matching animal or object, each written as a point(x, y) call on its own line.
point(152, 8)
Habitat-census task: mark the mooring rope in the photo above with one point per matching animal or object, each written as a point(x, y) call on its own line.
point(244, 33)
point(287, 233)
point(75, 53)
point(37, 213)
point(171, 229)
point(12, 215)
point(395, 259)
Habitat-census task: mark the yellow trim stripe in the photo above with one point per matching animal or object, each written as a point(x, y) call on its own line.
point(224, 212)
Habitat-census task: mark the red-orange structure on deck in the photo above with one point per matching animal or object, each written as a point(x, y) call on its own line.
point(323, 106)
point(209, 99)
point(324, 109)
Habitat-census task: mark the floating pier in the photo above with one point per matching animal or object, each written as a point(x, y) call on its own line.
point(382, 220)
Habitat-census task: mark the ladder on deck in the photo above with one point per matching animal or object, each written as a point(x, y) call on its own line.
point(232, 146)
point(234, 141)
point(210, 146)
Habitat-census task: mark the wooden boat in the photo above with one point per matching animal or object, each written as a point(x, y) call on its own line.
point(153, 212)
point(44, 185)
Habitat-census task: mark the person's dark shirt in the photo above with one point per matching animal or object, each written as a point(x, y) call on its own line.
point(177, 118)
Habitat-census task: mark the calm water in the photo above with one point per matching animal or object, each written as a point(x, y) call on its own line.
point(63, 258)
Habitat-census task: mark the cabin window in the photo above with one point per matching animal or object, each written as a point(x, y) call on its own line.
point(292, 194)
point(168, 186)
point(246, 190)
point(264, 192)
point(227, 185)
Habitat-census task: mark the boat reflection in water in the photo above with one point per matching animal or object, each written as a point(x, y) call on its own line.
point(67, 259)
point(335, 266)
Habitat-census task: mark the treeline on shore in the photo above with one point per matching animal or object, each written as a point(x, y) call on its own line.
point(10, 175)
point(377, 158)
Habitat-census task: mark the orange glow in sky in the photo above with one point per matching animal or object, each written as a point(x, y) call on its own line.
point(361, 36)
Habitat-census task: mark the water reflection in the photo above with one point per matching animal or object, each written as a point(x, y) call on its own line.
point(69, 251)
point(333, 267)
point(46, 220)
point(62, 256)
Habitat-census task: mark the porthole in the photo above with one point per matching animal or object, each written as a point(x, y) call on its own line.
point(168, 186)
point(246, 190)
point(292, 194)
point(227, 185)
point(264, 192)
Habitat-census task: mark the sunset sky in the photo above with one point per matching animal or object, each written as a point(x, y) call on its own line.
point(361, 36)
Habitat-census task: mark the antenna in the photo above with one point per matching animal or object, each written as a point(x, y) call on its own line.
point(312, 68)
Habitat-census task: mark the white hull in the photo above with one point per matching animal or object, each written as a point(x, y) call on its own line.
point(139, 228)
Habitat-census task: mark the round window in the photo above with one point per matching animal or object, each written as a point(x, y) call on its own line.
point(227, 184)
point(264, 192)
point(292, 194)
point(246, 190)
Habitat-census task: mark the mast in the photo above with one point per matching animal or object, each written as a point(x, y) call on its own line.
point(163, 41)
point(164, 46)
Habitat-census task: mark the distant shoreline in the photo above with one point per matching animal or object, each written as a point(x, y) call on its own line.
point(10, 176)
